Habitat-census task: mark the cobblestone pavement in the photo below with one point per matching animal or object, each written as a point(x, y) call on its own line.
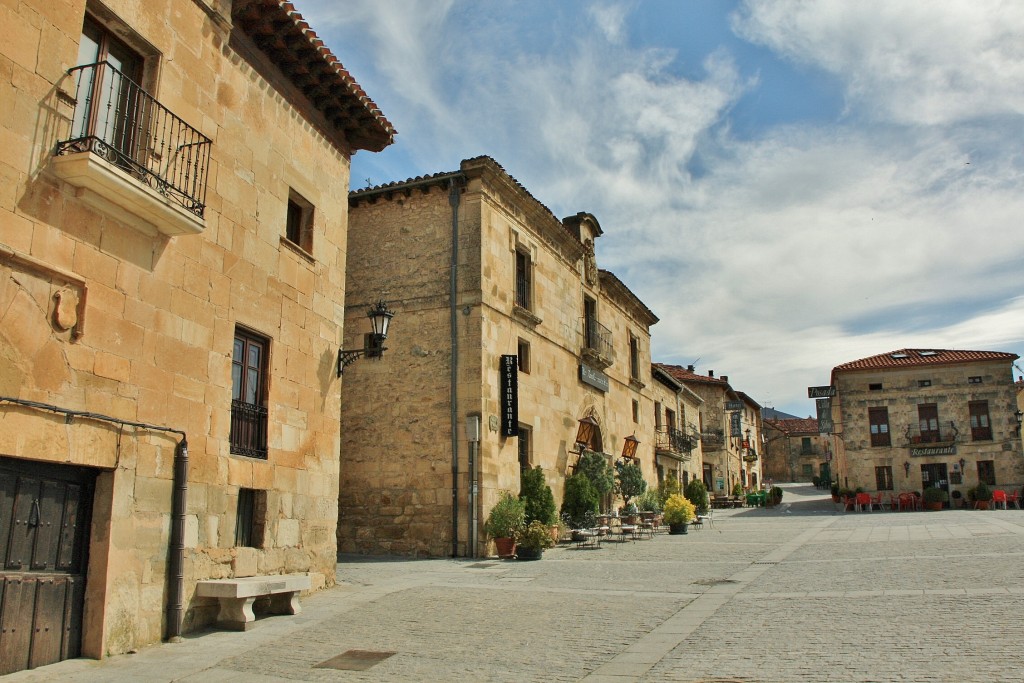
point(799, 593)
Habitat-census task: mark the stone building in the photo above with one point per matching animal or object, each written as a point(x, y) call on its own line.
point(173, 210)
point(677, 444)
point(794, 451)
point(730, 430)
point(502, 320)
point(917, 418)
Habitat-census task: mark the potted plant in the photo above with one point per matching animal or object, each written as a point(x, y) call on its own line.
point(737, 490)
point(631, 481)
point(579, 502)
point(775, 495)
point(697, 493)
point(982, 496)
point(532, 540)
point(835, 491)
point(538, 500)
point(506, 519)
point(934, 498)
point(679, 512)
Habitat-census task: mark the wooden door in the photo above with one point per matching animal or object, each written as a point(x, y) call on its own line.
point(44, 522)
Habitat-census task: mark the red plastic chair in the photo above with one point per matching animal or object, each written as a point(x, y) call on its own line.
point(907, 502)
point(862, 500)
point(999, 497)
point(1013, 499)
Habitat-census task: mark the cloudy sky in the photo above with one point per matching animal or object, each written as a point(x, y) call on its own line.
point(788, 185)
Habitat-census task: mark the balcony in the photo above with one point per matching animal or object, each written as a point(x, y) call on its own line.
point(596, 345)
point(674, 442)
point(131, 156)
point(248, 429)
point(942, 436)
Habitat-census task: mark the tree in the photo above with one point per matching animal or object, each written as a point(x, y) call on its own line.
point(697, 494)
point(669, 486)
point(579, 501)
point(595, 468)
point(536, 494)
point(631, 480)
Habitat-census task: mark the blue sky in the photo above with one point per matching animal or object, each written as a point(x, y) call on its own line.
point(789, 185)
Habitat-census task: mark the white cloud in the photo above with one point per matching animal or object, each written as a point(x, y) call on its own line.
point(906, 61)
point(785, 254)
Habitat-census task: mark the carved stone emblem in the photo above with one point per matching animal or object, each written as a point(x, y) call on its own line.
point(65, 310)
point(589, 263)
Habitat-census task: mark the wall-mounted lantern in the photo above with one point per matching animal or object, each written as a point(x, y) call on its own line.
point(906, 467)
point(585, 432)
point(629, 447)
point(380, 318)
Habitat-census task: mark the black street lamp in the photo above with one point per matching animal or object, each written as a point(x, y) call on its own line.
point(380, 319)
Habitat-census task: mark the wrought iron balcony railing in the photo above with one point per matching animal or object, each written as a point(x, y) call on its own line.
point(248, 429)
point(915, 436)
point(672, 440)
point(712, 440)
point(117, 120)
point(597, 343)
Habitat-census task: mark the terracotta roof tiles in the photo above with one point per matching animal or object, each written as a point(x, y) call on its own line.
point(799, 425)
point(905, 358)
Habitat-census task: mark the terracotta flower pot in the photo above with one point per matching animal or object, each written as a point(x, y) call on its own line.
point(506, 547)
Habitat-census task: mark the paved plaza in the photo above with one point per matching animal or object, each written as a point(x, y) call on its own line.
point(797, 593)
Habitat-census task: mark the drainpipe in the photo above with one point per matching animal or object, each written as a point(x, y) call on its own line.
point(176, 546)
point(454, 188)
point(176, 559)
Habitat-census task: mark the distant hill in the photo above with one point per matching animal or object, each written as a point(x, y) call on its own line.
point(772, 414)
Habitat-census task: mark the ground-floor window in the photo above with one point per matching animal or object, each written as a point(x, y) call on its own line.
point(807, 470)
point(987, 472)
point(883, 478)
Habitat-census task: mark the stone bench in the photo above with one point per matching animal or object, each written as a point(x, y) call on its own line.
point(237, 595)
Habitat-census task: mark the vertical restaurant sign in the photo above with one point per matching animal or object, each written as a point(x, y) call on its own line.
point(510, 395)
point(734, 425)
point(824, 407)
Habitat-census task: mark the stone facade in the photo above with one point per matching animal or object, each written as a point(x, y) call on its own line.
point(120, 302)
point(795, 451)
point(519, 283)
point(677, 436)
point(915, 418)
point(730, 430)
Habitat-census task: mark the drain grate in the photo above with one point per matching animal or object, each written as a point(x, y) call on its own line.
point(767, 563)
point(355, 660)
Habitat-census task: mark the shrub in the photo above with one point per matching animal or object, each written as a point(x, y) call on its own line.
point(507, 517)
point(631, 480)
point(679, 510)
point(537, 497)
point(580, 500)
point(535, 536)
point(668, 486)
point(935, 495)
point(737, 489)
point(775, 495)
point(982, 492)
point(649, 501)
point(697, 494)
point(596, 469)
point(834, 488)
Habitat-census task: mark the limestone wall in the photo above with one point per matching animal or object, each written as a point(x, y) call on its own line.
point(143, 325)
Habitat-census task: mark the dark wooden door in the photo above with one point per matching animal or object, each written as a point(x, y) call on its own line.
point(44, 522)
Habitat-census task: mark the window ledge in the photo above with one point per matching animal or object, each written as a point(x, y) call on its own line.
point(109, 189)
point(636, 384)
point(525, 316)
point(292, 246)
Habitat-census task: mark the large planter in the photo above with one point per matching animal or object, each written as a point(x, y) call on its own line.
point(529, 553)
point(679, 528)
point(506, 546)
point(933, 506)
point(981, 504)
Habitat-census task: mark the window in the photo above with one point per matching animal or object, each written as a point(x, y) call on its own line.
point(883, 478)
point(670, 419)
point(524, 447)
point(805, 446)
point(657, 416)
point(110, 100)
point(974, 380)
point(634, 357)
point(299, 222)
point(250, 522)
point(981, 429)
point(987, 472)
point(636, 411)
point(248, 395)
point(875, 387)
point(590, 322)
point(878, 419)
point(928, 420)
point(924, 382)
point(523, 354)
point(524, 280)
point(808, 470)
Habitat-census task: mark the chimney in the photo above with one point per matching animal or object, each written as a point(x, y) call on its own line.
point(689, 368)
point(725, 378)
point(711, 373)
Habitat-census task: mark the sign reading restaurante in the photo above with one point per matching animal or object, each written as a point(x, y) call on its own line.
point(510, 395)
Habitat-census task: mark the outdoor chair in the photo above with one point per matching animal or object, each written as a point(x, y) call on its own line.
point(863, 500)
point(1013, 499)
point(998, 498)
point(877, 500)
